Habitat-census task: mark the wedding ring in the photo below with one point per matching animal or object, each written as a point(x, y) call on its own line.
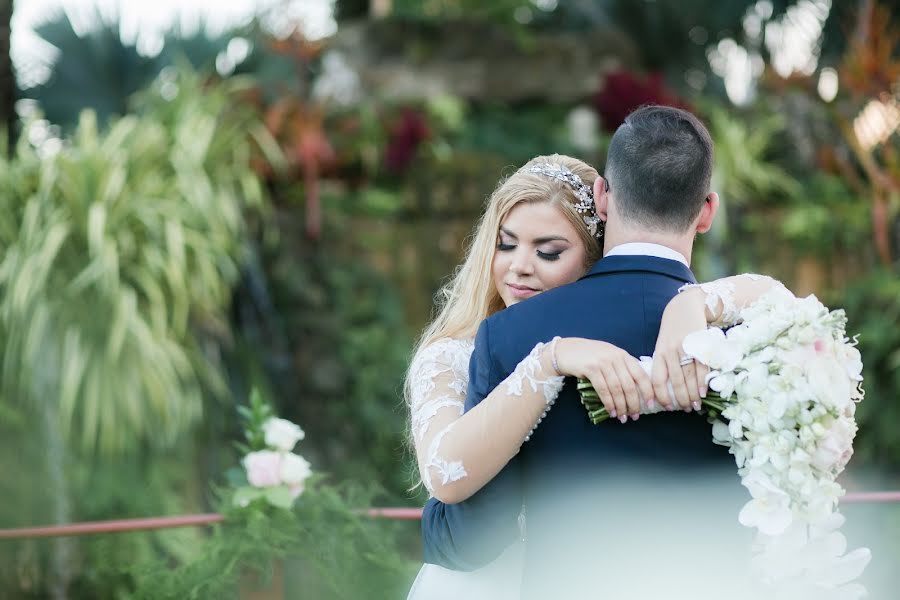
point(686, 360)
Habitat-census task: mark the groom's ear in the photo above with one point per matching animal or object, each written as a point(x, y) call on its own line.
point(601, 198)
point(708, 213)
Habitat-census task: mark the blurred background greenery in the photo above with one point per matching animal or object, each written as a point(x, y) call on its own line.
point(274, 203)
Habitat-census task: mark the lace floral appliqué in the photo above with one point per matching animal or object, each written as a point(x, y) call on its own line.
point(440, 376)
point(722, 292)
point(526, 373)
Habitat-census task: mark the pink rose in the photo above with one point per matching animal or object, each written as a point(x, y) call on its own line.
point(294, 472)
point(263, 468)
point(834, 450)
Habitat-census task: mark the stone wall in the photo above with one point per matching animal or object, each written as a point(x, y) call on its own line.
point(479, 61)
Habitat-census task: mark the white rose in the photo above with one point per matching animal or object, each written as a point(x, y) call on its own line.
point(834, 450)
point(828, 382)
point(295, 470)
point(282, 434)
point(262, 468)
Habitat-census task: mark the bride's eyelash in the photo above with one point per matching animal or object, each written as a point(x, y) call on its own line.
point(549, 255)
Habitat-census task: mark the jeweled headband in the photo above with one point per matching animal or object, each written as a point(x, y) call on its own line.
point(585, 205)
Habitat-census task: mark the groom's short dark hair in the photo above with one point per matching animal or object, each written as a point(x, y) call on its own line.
point(659, 166)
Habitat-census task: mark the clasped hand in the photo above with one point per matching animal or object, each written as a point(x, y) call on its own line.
point(623, 385)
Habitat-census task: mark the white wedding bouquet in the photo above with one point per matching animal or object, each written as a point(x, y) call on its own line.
point(784, 385)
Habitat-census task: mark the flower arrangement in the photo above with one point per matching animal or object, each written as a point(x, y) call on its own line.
point(785, 383)
point(279, 519)
point(271, 470)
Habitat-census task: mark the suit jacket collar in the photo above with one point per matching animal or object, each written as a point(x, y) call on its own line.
point(641, 263)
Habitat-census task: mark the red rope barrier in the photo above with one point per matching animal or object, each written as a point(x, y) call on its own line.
point(401, 514)
point(117, 526)
point(865, 497)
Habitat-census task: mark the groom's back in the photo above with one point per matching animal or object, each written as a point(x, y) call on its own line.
point(580, 479)
point(620, 301)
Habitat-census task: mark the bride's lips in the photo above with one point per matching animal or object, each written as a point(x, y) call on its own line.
point(521, 291)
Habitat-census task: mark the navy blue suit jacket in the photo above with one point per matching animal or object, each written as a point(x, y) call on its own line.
point(620, 301)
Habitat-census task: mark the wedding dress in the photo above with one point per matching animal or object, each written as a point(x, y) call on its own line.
point(440, 375)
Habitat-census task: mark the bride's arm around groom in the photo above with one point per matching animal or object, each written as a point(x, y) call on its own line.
point(470, 534)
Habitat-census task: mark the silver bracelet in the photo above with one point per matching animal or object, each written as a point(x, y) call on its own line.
point(553, 355)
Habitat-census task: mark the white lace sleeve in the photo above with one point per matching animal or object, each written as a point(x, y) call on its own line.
point(458, 454)
point(726, 297)
point(529, 372)
point(439, 375)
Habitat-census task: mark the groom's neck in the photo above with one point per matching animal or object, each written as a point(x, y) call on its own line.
point(682, 243)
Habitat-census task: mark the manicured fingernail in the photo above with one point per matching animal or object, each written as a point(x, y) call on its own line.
point(623, 419)
point(651, 403)
point(703, 392)
point(612, 413)
point(696, 406)
point(635, 417)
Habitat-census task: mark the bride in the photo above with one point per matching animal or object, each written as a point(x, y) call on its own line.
point(540, 230)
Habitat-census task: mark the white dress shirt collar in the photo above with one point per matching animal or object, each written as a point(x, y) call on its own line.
point(647, 249)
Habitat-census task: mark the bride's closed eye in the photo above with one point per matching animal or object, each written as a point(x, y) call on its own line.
point(550, 256)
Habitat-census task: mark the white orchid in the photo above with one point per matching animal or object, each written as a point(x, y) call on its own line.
point(788, 377)
point(784, 383)
point(710, 347)
point(771, 514)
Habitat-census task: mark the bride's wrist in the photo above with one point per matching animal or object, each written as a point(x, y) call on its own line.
point(550, 357)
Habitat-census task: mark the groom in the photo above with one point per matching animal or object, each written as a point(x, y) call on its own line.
point(600, 502)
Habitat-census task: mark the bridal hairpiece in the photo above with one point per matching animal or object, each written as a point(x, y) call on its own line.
point(585, 205)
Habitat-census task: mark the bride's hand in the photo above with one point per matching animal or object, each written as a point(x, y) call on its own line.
point(684, 314)
point(616, 375)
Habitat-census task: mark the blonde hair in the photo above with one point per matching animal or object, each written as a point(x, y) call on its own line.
point(470, 295)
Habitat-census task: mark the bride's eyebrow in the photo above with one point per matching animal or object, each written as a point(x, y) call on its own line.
point(549, 238)
point(539, 240)
point(508, 232)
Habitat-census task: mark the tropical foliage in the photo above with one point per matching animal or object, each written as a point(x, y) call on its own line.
point(120, 249)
